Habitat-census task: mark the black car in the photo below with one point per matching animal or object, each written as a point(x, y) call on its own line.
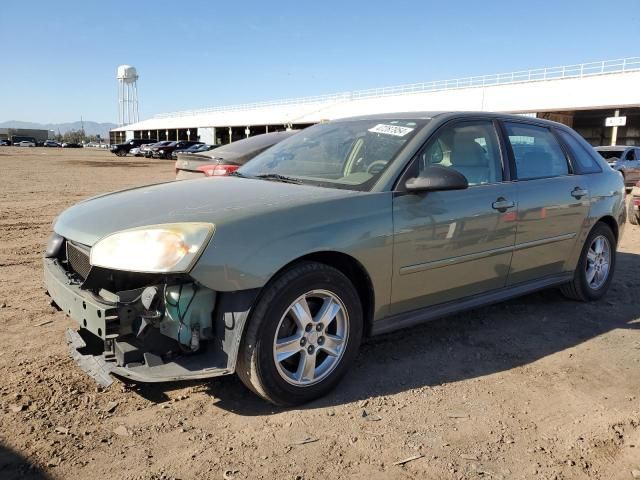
point(197, 148)
point(71, 145)
point(121, 149)
point(226, 159)
point(5, 143)
point(166, 150)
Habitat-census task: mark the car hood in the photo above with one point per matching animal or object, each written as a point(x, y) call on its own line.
point(215, 200)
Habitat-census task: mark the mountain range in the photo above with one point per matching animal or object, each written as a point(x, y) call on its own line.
point(90, 128)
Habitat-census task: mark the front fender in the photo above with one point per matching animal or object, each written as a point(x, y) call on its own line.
point(246, 254)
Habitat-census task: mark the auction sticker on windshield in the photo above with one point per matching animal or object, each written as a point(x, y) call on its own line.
point(396, 130)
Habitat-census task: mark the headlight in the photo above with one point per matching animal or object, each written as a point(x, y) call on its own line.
point(53, 246)
point(160, 151)
point(172, 247)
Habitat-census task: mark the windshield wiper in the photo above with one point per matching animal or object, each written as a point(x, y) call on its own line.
point(276, 177)
point(237, 174)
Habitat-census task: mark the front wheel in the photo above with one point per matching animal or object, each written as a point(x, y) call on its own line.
point(303, 334)
point(596, 266)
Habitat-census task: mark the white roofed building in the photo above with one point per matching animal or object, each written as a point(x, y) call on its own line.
point(581, 96)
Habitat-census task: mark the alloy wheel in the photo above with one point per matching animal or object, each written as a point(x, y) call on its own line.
point(311, 338)
point(598, 262)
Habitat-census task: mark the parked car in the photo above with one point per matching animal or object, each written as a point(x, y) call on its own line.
point(145, 150)
point(166, 150)
point(51, 143)
point(350, 228)
point(149, 151)
point(227, 158)
point(625, 159)
point(25, 143)
point(195, 148)
point(121, 149)
point(634, 205)
point(71, 145)
point(5, 143)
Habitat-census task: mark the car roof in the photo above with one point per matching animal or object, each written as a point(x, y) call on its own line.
point(430, 115)
point(248, 146)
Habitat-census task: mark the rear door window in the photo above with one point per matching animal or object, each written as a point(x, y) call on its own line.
point(582, 157)
point(536, 151)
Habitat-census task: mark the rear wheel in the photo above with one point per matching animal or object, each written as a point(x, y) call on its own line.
point(304, 332)
point(596, 266)
point(121, 153)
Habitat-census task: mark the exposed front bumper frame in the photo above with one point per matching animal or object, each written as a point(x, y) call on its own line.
point(80, 305)
point(96, 317)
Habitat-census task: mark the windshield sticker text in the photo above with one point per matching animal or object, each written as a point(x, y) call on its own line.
point(391, 130)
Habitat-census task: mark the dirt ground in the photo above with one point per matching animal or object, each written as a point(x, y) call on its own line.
point(539, 387)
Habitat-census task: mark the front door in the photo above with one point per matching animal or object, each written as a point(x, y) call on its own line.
point(552, 204)
point(453, 244)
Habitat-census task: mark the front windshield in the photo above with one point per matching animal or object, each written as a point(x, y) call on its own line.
point(348, 154)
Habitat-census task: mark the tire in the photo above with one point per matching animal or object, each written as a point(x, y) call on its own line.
point(273, 318)
point(581, 288)
point(121, 153)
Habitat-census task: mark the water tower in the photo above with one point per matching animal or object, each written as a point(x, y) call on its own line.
point(127, 95)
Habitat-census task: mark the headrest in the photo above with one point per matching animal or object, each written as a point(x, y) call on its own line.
point(467, 153)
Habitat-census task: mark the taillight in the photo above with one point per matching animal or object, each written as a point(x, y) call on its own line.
point(217, 170)
point(636, 201)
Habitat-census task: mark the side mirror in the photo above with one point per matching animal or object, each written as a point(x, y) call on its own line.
point(435, 178)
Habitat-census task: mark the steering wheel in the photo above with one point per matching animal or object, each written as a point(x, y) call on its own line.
point(376, 167)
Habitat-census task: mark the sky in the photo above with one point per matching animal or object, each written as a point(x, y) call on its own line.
point(60, 58)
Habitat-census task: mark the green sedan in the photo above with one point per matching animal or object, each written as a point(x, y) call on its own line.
point(347, 229)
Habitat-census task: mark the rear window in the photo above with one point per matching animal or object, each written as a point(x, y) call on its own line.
point(585, 162)
point(611, 154)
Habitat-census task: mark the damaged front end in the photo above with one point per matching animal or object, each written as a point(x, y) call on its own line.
point(145, 327)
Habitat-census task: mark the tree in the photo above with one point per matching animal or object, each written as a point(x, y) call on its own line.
point(74, 136)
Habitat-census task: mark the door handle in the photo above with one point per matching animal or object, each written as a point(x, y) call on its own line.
point(502, 204)
point(579, 192)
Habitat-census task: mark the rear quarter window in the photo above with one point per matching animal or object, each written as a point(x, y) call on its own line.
point(583, 159)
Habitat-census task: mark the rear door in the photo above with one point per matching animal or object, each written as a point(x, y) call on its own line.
point(453, 244)
point(553, 203)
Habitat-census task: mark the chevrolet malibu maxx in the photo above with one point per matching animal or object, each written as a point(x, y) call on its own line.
point(351, 228)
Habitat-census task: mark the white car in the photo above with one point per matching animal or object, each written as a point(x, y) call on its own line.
point(25, 143)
